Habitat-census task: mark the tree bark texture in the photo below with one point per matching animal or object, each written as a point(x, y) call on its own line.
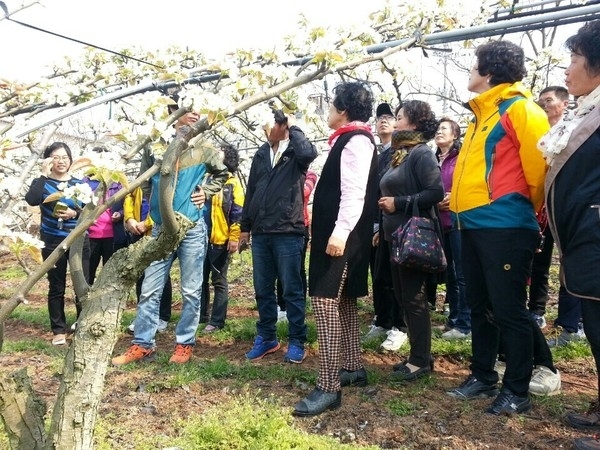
point(22, 412)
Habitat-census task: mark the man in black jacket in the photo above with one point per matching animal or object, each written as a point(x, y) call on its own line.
point(273, 213)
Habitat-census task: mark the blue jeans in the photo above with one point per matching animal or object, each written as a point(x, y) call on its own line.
point(191, 253)
point(460, 312)
point(279, 256)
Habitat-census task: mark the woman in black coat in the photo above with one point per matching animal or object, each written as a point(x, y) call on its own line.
point(342, 226)
point(414, 176)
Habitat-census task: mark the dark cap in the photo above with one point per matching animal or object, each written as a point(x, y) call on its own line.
point(384, 109)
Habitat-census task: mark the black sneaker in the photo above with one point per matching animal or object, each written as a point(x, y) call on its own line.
point(508, 403)
point(473, 388)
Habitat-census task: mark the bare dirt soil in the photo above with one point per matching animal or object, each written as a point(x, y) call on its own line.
point(431, 419)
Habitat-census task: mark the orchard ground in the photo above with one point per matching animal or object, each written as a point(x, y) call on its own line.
point(149, 399)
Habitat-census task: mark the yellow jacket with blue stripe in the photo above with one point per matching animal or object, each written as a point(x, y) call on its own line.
point(224, 211)
point(498, 181)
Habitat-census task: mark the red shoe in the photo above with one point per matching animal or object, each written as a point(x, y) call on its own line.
point(182, 354)
point(134, 353)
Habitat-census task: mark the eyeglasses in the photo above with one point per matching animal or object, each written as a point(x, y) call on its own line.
point(60, 158)
point(387, 118)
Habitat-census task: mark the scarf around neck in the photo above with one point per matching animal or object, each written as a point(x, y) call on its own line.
point(350, 126)
point(555, 140)
point(402, 141)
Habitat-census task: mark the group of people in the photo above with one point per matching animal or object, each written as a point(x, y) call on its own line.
point(524, 176)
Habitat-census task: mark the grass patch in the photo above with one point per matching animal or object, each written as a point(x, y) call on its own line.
point(400, 407)
point(248, 423)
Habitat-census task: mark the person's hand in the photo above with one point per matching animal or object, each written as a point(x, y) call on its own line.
point(233, 246)
point(244, 242)
point(335, 247)
point(444, 205)
point(386, 204)
point(116, 216)
point(47, 167)
point(66, 214)
point(376, 239)
point(135, 227)
point(198, 197)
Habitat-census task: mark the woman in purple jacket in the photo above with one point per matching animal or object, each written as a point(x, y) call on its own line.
point(447, 140)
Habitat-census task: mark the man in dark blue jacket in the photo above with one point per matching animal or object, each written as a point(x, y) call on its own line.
point(273, 213)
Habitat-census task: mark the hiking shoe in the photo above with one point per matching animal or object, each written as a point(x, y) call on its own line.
point(182, 354)
point(587, 421)
point(262, 348)
point(508, 403)
point(587, 443)
point(134, 353)
point(473, 388)
point(395, 339)
point(353, 378)
point(162, 325)
point(294, 354)
point(455, 333)
point(565, 338)
point(374, 332)
point(500, 368)
point(544, 381)
point(59, 339)
point(210, 329)
point(539, 320)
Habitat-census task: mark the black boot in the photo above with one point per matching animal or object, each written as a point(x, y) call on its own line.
point(317, 402)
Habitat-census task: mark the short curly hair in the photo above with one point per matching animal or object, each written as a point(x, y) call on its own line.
point(231, 157)
point(420, 115)
point(503, 61)
point(354, 98)
point(586, 42)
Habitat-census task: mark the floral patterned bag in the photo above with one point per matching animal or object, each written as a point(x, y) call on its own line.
point(416, 244)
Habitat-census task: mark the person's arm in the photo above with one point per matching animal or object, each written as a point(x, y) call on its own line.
point(528, 133)
point(304, 150)
point(35, 194)
point(355, 166)
point(217, 170)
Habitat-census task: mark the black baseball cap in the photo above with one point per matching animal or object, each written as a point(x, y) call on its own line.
point(384, 109)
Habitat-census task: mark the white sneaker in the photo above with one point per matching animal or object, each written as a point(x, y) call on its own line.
point(74, 327)
point(131, 327)
point(162, 325)
point(375, 332)
point(395, 340)
point(455, 334)
point(544, 381)
point(500, 367)
point(281, 315)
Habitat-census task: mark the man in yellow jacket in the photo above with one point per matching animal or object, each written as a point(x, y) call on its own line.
point(223, 214)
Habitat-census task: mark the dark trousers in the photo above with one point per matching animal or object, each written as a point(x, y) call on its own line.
point(100, 249)
point(216, 265)
point(57, 282)
point(460, 312)
point(496, 265)
point(569, 311)
point(411, 293)
point(388, 311)
point(540, 274)
point(591, 324)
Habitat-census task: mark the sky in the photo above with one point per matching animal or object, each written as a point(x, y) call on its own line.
point(211, 27)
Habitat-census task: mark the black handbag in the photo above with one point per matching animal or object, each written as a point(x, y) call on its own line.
point(416, 244)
